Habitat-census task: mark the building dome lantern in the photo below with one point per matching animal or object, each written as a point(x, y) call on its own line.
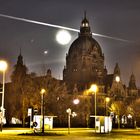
point(85, 60)
point(85, 28)
point(85, 22)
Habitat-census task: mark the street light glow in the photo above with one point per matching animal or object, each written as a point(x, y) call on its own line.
point(93, 88)
point(42, 91)
point(3, 65)
point(107, 99)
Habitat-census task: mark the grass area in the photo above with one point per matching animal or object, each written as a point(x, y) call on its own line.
point(85, 132)
point(75, 134)
point(78, 132)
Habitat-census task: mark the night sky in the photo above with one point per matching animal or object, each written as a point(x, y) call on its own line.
point(114, 18)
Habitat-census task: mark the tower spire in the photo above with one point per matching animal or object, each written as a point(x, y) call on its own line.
point(85, 14)
point(20, 58)
point(85, 28)
point(132, 82)
point(19, 51)
point(117, 70)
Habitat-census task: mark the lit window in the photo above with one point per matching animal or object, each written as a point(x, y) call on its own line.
point(86, 24)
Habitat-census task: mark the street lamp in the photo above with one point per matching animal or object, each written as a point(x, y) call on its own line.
point(42, 92)
point(3, 67)
point(75, 101)
point(94, 89)
point(107, 100)
point(117, 79)
point(69, 113)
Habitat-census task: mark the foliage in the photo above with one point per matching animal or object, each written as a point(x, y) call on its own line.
point(135, 107)
point(118, 107)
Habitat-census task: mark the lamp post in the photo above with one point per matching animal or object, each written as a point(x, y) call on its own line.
point(69, 113)
point(94, 89)
point(42, 92)
point(117, 79)
point(3, 67)
point(107, 99)
point(75, 101)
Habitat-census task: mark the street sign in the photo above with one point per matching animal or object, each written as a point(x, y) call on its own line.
point(112, 114)
point(29, 111)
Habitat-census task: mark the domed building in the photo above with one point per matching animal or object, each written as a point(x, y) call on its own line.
point(85, 66)
point(84, 61)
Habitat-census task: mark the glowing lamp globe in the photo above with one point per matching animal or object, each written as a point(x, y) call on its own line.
point(93, 88)
point(3, 65)
point(42, 91)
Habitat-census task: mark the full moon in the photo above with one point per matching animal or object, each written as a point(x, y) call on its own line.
point(63, 37)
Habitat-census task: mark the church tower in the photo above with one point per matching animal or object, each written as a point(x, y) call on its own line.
point(20, 70)
point(117, 70)
point(118, 90)
point(85, 60)
point(132, 89)
point(132, 82)
point(20, 60)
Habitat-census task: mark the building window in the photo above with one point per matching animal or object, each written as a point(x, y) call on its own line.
point(86, 24)
point(74, 70)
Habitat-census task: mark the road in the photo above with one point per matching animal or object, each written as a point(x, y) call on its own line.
point(75, 134)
